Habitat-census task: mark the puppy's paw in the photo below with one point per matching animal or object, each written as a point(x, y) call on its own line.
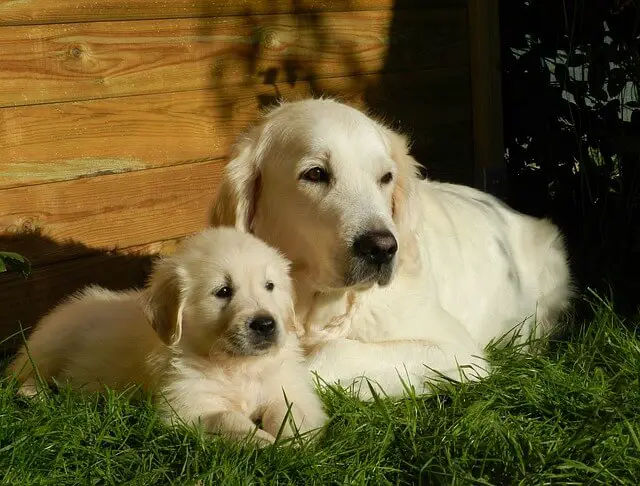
point(235, 426)
point(261, 438)
point(311, 421)
point(30, 390)
point(27, 390)
point(295, 421)
point(258, 437)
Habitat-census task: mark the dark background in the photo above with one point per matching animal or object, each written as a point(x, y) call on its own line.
point(571, 73)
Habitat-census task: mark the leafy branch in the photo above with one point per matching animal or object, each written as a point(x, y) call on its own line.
point(14, 262)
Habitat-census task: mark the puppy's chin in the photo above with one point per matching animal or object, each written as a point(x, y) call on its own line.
point(242, 345)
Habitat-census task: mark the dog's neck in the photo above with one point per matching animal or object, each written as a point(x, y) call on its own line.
point(322, 313)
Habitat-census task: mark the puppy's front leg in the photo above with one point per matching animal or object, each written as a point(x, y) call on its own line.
point(236, 426)
point(304, 409)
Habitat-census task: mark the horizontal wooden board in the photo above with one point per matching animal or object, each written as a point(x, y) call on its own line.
point(58, 11)
point(66, 62)
point(104, 212)
point(46, 143)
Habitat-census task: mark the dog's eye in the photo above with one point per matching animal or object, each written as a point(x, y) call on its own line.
point(385, 179)
point(225, 292)
point(269, 286)
point(316, 175)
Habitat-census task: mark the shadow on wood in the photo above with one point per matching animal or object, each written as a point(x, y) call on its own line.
point(24, 301)
point(94, 170)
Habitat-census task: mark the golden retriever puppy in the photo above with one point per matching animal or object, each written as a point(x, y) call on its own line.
point(396, 278)
point(212, 336)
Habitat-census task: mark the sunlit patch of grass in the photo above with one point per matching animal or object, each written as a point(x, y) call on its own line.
point(569, 415)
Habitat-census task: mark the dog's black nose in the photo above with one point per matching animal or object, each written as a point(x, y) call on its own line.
point(263, 325)
point(376, 246)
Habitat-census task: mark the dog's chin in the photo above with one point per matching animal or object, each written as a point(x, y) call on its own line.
point(361, 276)
point(243, 346)
point(356, 275)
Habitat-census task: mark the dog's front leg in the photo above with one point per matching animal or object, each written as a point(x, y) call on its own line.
point(301, 412)
point(393, 365)
point(236, 426)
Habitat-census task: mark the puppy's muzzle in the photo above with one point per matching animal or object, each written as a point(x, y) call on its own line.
point(263, 330)
point(263, 326)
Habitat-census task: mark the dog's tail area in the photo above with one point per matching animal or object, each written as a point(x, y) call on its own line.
point(555, 284)
point(35, 363)
point(23, 371)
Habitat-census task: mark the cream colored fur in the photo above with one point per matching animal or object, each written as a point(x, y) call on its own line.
point(189, 347)
point(468, 270)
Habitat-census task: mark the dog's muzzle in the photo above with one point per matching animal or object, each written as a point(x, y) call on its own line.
point(262, 331)
point(373, 258)
point(376, 247)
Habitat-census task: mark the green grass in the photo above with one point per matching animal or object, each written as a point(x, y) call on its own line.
point(568, 416)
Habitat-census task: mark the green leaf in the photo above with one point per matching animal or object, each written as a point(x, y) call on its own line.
point(576, 60)
point(14, 262)
point(617, 81)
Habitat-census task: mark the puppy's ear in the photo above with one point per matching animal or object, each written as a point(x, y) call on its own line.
point(165, 301)
point(237, 197)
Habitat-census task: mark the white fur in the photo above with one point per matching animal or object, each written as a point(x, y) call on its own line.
point(468, 270)
point(177, 339)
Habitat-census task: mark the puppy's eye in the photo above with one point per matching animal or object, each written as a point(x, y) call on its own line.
point(385, 179)
point(225, 292)
point(269, 286)
point(316, 175)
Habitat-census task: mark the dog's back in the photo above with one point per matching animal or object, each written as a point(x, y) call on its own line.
point(96, 338)
point(518, 263)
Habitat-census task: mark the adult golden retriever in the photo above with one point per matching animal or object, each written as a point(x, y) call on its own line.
point(397, 278)
point(212, 336)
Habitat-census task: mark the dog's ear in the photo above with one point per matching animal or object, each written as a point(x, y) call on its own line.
point(235, 203)
point(403, 192)
point(407, 173)
point(292, 323)
point(165, 300)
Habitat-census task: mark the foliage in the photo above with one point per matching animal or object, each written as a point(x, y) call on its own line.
point(14, 262)
point(572, 128)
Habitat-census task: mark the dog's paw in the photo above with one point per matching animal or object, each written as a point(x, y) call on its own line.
point(475, 369)
point(30, 390)
point(27, 390)
point(312, 423)
point(364, 388)
point(262, 438)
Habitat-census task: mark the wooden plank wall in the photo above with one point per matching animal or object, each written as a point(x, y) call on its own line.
point(116, 115)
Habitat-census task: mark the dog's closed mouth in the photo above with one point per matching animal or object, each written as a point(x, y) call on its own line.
point(363, 275)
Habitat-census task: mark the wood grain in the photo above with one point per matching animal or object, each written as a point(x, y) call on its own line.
point(67, 62)
point(46, 143)
point(123, 210)
point(59, 11)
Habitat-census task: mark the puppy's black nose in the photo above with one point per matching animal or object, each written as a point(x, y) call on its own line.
point(376, 246)
point(263, 325)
